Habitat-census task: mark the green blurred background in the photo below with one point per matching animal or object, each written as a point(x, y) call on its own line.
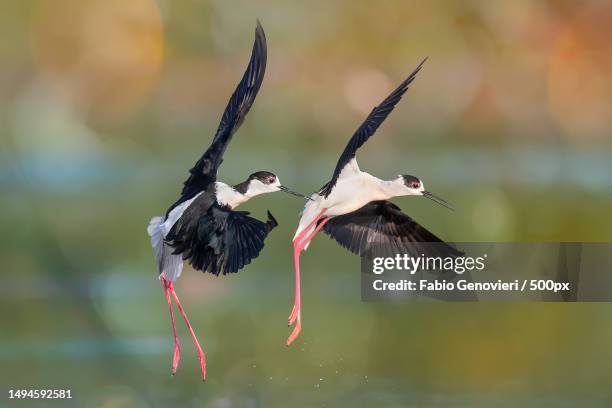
point(105, 104)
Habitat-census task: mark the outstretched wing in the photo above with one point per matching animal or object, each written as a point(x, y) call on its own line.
point(205, 170)
point(221, 240)
point(368, 128)
point(381, 229)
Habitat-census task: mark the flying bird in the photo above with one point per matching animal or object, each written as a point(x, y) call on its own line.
point(202, 227)
point(353, 208)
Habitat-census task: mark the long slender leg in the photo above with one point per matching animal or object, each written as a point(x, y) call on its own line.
point(311, 236)
point(201, 355)
point(296, 312)
point(309, 226)
point(177, 344)
point(296, 259)
point(298, 247)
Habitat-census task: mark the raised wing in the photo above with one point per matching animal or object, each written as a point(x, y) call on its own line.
point(221, 240)
point(205, 170)
point(368, 128)
point(381, 229)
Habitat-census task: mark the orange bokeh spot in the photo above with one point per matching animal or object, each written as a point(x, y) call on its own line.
point(105, 55)
point(579, 77)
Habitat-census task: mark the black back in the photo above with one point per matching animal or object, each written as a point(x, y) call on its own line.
point(381, 229)
point(216, 239)
point(368, 128)
point(204, 172)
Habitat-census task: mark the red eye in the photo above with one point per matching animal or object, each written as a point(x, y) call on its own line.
point(415, 185)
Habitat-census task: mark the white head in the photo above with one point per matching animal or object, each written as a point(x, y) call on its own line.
point(410, 185)
point(262, 182)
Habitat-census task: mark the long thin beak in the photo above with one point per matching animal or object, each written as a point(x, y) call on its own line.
point(438, 200)
point(288, 191)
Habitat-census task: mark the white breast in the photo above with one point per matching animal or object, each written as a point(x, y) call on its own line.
point(352, 191)
point(227, 195)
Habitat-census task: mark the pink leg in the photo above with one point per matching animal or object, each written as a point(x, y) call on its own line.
point(296, 314)
point(201, 356)
point(296, 242)
point(298, 246)
point(177, 345)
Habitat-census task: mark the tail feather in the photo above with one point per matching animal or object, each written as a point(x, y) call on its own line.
point(271, 223)
point(168, 264)
point(157, 239)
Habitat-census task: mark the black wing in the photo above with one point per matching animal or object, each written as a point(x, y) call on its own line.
point(368, 128)
point(381, 229)
point(205, 170)
point(220, 240)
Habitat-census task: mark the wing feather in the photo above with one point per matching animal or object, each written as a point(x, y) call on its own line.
point(220, 240)
point(205, 170)
point(368, 128)
point(380, 228)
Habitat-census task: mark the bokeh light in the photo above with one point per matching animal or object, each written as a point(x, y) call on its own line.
point(106, 104)
point(105, 56)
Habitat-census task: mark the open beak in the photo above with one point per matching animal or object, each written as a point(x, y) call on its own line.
point(288, 191)
point(438, 200)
